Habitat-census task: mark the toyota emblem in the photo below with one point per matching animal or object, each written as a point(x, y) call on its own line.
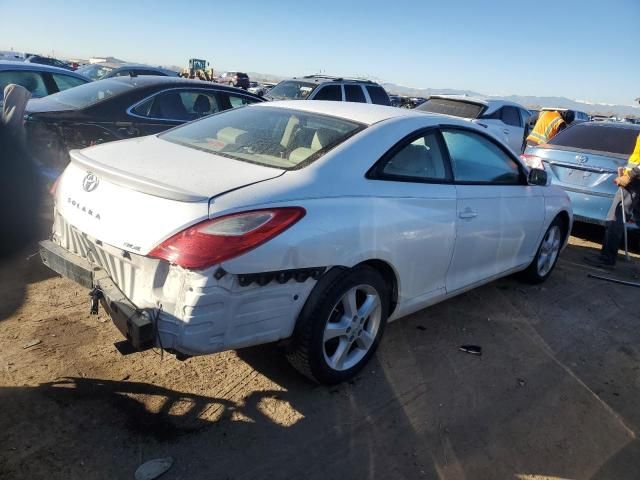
point(90, 182)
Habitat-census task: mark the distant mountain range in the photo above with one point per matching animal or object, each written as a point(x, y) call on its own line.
point(529, 101)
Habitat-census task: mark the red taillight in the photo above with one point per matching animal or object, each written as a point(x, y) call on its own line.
point(54, 187)
point(217, 240)
point(532, 161)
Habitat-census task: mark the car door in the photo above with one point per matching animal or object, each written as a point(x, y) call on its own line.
point(414, 187)
point(499, 215)
point(513, 127)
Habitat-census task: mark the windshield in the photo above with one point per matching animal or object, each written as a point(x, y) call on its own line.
point(95, 72)
point(447, 106)
point(85, 95)
point(291, 90)
point(599, 138)
point(268, 136)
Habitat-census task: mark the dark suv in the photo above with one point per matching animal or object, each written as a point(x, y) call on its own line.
point(320, 87)
point(235, 79)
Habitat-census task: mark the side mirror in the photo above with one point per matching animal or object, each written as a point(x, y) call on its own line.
point(537, 176)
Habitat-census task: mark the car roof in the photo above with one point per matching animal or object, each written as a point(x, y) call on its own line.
point(559, 109)
point(37, 67)
point(491, 103)
point(319, 79)
point(627, 125)
point(150, 80)
point(365, 113)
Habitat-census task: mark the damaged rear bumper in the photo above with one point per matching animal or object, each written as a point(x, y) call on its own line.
point(134, 323)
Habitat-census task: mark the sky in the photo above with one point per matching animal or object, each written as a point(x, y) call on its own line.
point(580, 49)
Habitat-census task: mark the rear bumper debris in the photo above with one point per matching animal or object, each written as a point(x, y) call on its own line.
point(135, 324)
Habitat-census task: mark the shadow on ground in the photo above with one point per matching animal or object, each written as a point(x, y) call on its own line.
point(554, 394)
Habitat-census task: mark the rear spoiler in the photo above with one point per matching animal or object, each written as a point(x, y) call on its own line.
point(129, 180)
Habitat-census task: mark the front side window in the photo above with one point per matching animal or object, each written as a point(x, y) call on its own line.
point(268, 136)
point(32, 81)
point(330, 92)
point(378, 95)
point(354, 93)
point(63, 82)
point(476, 159)
point(180, 105)
point(421, 159)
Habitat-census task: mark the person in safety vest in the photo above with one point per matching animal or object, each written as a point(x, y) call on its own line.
point(629, 180)
point(548, 125)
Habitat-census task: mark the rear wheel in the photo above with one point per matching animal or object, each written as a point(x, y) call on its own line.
point(547, 256)
point(340, 326)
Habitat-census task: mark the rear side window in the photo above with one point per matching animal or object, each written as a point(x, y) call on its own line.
point(421, 159)
point(475, 159)
point(179, 105)
point(330, 92)
point(354, 93)
point(378, 95)
point(511, 116)
point(599, 138)
point(64, 82)
point(32, 81)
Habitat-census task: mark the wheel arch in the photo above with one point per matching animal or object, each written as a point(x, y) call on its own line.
point(564, 217)
point(390, 276)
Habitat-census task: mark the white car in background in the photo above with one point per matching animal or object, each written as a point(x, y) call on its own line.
point(507, 121)
point(316, 222)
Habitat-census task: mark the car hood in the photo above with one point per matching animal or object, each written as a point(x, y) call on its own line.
point(158, 167)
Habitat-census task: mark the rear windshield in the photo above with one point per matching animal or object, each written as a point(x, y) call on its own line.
point(447, 106)
point(272, 137)
point(600, 138)
point(90, 93)
point(291, 90)
point(95, 72)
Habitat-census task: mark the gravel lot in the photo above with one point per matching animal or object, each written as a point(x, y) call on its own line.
point(554, 395)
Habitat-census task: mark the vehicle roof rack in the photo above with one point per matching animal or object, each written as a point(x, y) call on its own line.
point(338, 79)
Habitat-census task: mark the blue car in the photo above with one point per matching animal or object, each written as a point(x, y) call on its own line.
point(40, 80)
point(583, 160)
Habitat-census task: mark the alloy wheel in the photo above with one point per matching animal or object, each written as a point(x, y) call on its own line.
point(549, 250)
point(352, 327)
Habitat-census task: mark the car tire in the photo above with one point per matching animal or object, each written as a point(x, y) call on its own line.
point(547, 255)
point(341, 325)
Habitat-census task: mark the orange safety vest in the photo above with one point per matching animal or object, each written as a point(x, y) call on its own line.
point(546, 127)
point(634, 159)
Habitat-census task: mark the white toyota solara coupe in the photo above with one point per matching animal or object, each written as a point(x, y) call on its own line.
point(316, 222)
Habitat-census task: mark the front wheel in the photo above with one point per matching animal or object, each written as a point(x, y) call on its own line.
point(340, 326)
point(547, 256)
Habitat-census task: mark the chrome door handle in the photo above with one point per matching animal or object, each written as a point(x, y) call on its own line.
point(468, 214)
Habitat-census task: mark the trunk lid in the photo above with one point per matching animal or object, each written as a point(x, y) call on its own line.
point(580, 170)
point(133, 194)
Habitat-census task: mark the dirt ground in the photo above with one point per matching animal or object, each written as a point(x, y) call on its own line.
point(553, 396)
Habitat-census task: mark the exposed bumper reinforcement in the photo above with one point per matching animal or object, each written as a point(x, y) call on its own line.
point(135, 324)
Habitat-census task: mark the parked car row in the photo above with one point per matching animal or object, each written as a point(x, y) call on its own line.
point(246, 195)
